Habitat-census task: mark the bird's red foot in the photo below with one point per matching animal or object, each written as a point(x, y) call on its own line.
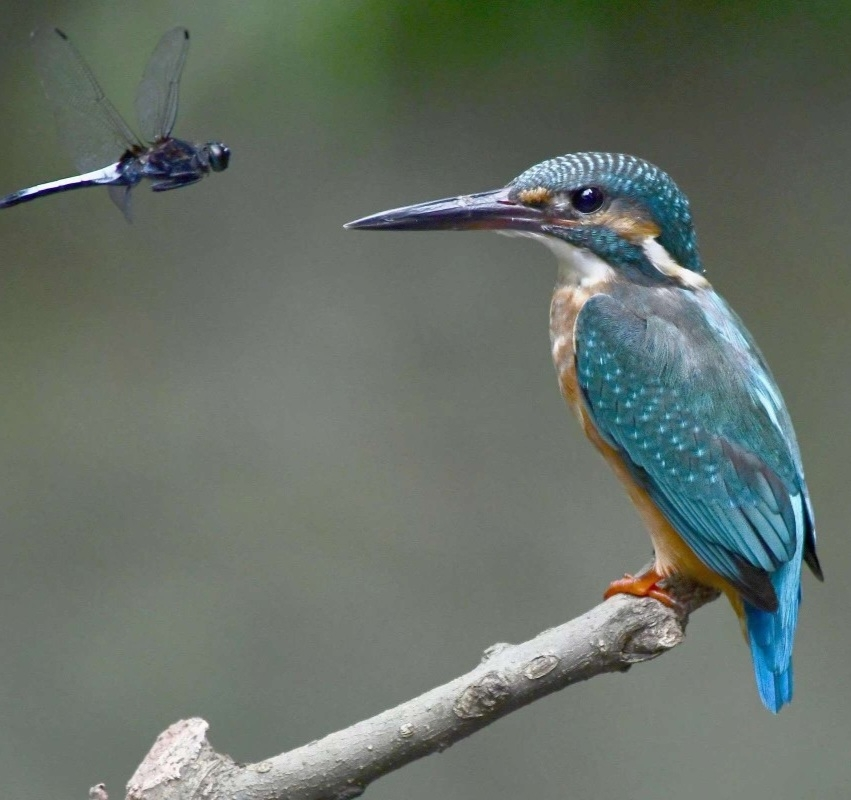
point(644, 585)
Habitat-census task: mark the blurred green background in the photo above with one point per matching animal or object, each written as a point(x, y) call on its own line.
point(283, 476)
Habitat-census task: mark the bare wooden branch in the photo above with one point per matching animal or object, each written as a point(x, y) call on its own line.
point(611, 637)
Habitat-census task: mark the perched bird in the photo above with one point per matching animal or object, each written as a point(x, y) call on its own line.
point(666, 382)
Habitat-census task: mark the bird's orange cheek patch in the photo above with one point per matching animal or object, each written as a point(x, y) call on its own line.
point(632, 228)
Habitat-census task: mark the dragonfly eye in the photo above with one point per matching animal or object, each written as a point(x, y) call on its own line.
point(219, 156)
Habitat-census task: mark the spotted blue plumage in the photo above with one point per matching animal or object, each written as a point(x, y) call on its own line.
point(676, 384)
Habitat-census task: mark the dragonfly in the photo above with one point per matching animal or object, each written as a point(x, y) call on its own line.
point(96, 134)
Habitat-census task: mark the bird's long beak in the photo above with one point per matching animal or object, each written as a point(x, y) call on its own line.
point(483, 211)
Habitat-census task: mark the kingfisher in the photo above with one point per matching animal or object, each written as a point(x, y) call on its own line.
point(666, 382)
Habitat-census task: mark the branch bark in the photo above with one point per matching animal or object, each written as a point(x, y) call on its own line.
point(182, 765)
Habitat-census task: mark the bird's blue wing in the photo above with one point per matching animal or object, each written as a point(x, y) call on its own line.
point(677, 386)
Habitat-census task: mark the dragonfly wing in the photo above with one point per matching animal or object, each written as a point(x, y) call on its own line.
point(156, 98)
point(91, 129)
point(120, 195)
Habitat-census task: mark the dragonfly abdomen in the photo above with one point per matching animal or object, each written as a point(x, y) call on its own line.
point(113, 174)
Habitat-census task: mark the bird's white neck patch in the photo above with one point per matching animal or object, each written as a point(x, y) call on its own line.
point(660, 258)
point(576, 266)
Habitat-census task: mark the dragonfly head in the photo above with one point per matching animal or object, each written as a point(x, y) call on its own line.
point(218, 155)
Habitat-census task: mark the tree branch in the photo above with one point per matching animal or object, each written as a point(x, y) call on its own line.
point(611, 637)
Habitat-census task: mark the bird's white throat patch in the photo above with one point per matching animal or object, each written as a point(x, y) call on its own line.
point(576, 266)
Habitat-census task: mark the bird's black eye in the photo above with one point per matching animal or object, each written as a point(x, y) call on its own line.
point(587, 199)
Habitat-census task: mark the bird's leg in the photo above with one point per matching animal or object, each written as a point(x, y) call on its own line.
point(645, 584)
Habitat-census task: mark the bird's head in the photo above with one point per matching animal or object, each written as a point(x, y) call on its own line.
point(598, 211)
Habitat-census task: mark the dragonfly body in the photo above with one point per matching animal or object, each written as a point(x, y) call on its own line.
point(169, 164)
point(96, 133)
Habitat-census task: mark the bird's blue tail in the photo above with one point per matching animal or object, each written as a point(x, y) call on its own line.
point(771, 635)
